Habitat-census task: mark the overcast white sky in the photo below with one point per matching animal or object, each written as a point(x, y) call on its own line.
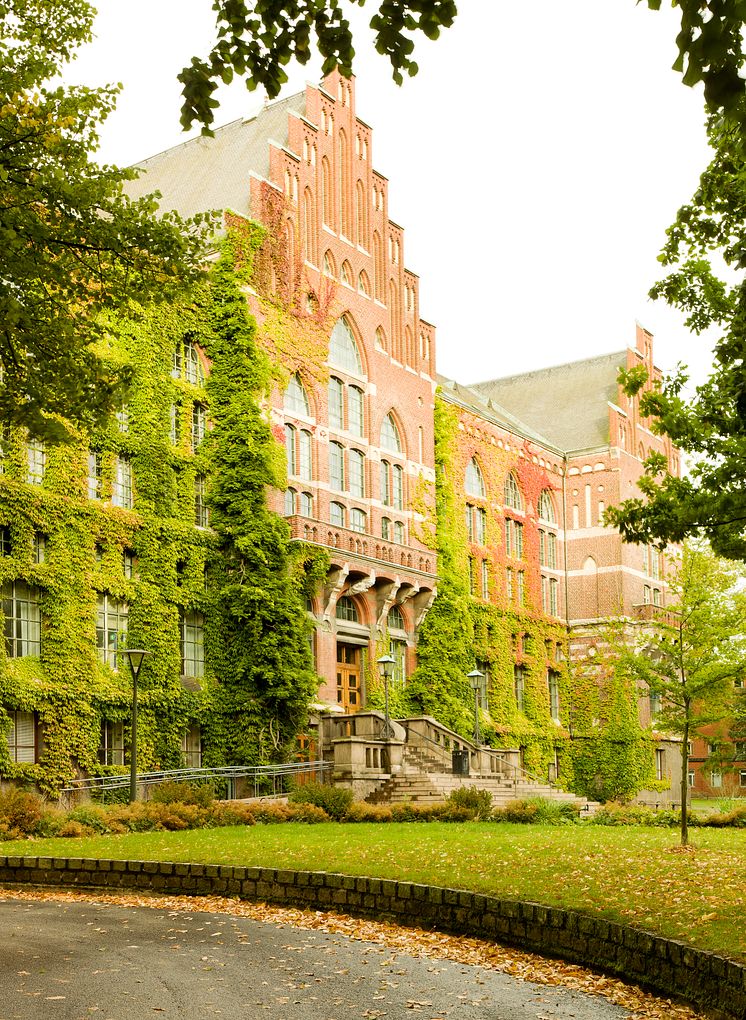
point(535, 163)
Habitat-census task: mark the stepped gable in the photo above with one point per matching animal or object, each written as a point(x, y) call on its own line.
point(567, 403)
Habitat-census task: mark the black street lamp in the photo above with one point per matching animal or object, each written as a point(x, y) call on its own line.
point(135, 657)
point(475, 679)
point(386, 668)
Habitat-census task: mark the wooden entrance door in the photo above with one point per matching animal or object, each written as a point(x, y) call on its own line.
point(348, 677)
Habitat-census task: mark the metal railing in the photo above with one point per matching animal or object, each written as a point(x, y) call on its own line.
point(265, 780)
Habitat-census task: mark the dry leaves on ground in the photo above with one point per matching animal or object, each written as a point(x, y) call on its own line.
point(408, 941)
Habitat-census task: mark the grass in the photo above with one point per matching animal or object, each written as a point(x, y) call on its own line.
point(626, 874)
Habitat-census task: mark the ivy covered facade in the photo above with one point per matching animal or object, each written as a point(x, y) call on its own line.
point(292, 492)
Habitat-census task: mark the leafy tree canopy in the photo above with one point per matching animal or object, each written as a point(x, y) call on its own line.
point(257, 38)
point(71, 244)
point(705, 254)
point(698, 651)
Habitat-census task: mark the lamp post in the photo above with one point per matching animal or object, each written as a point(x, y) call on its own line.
point(135, 657)
point(475, 679)
point(386, 668)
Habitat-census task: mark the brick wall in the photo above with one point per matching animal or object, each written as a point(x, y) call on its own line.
point(663, 965)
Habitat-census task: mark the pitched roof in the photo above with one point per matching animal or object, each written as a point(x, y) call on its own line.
point(213, 173)
point(567, 403)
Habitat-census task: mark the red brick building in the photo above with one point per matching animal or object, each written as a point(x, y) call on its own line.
point(542, 454)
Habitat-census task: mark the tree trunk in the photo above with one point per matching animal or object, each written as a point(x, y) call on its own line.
point(685, 781)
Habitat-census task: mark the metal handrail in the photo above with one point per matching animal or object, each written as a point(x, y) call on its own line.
point(257, 773)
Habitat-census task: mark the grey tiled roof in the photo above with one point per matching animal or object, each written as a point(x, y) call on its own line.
point(213, 173)
point(567, 403)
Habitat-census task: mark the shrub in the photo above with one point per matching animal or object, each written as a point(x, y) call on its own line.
point(75, 830)
point(409, 812)
point(361, 812)
point(477, 803)
point(231, 813)
point(93, 817)
point(335, 800)
point(20, 812)
point(736, 818)
point(623, 814)
point(202, 794)
point(538, 810)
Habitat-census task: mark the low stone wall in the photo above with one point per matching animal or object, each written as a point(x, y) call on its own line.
point(662, 965)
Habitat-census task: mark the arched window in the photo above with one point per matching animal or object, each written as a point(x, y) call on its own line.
point(390, 438)
point(381, 340)
point(546, 507)
point(398, 532)
point(343, 352)
point(296, 398)
point(346, 610)
point(306, 504)
point(409, 353)
point(395, 321)
point(386, 528)
point(378, 266)
point(363, 284)
point(344, 185)
point(329, 269)
point(289, 502)
point(513, 498)
point(290, 450)
point(395, 619)
point(358, 521)
point(337, 514)
point(474, 482)
point(346, 275)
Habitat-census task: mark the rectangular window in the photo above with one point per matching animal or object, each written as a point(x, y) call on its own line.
point(95, 475)
point(690, 777)
point(480, 525)
point(716, 780)
point(198, 425)
point(6, 544)
point(201, 512)
point(742, 777)
point(111, 629)
point(337, 515)
point(509, 589)
point(336, 404)
point(22, 624)
point(399, 535)
point(306, 504)
point(553, 685)
point(357, 521)
point(517, 540)
point(520, 587)
point(174, 424)
point(646, 594)
point(472, 576)
point(192, 365)
point(128, 564)
point(121, 493)
point(305, 467)
point(656, 596)
point(553, 596)
point(398, 652)
point(508, 536)
point(355, 410)
point(385, 528)
point(290, 450)
point(36, 462)
point(398, 478)
point(39, 547)
point(518, 686)
point(357, 474)
point(551, 550)
point(191, 747)
point(193, 645)
point(123, 419)
point(660, 764)
point(22, 736)
point(469, 519)
point(176, 363)
point(485, 579)
point(112, 747)
point(542, 548)
point(655, 704)
point(336, 467)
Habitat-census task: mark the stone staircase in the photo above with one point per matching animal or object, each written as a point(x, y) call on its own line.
point(422, 780)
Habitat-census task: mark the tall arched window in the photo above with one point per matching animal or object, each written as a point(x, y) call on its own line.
point(296, 398)
point(395, 322)
point(390, 438)
point(343, 350)
point(474, 481)
point(344, 186)
point(513, 498)
point(546, 507)
point(409, 353)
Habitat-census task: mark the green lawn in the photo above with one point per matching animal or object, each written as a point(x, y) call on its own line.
point(627, 874)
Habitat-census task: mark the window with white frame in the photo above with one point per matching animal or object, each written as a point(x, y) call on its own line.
point(305, 462)
point(547, 549)
point(289, 508)
point(399, 533)
point(513, 498)
point(343, 349)
point(355, 417)
point(336, 403)
point(510, 583)
point(192, 644)
point(191, 747)
point(296, 399)
point(520, 588)
point(192, 365)
point(22, 619)
point(291, 450)
point(36, 461)
point(519, 685)
point(513, 539)
point(121, 493)
point(306, 504)
point(357, 474)
point(336, 514)
point(112, 746)
point(123, 419)
point(39, 547)
point(201, 511)
point(485, 579)
point(112, 619)
point(386, 528)
point(554, 698)
point(546, 507)
point(716, 780)
point(129, 562)
point(398, 652)
point(174, 424)
point(390, 438)
point(22, 736)
point(474, 481)
point(358, 521)
point(6, 541)
point(199, 419)
point(397, 486)
point(336, 467)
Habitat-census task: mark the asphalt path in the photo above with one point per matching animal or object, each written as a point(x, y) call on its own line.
point(84, 961)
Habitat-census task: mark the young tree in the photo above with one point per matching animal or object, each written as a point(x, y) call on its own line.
point(71, 244)
point(696, 653)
